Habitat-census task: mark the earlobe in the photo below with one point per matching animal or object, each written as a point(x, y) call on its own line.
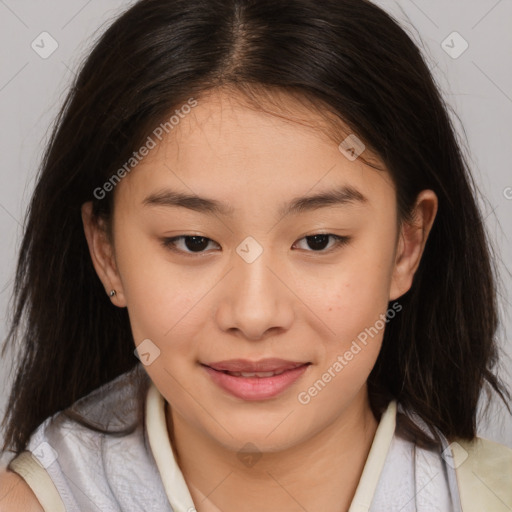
point(411, 243)
point(102, 254)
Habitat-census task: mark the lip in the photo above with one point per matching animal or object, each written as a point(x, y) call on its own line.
point(264, 365)
point(257, 388)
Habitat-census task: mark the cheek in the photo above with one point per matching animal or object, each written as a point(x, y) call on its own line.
point(359, 288)
point(335, 382)
point(356, 316)
point(355, 303)
point(161, 297)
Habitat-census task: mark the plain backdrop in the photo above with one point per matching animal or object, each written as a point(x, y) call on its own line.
point(467, 44)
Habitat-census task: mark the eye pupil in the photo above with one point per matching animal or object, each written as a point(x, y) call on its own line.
point(318, 242)
point(199, 243)
point(196, 244)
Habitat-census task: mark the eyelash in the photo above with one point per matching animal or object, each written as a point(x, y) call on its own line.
point(170, 243)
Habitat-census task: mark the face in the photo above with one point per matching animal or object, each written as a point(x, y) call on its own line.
point(263, 276)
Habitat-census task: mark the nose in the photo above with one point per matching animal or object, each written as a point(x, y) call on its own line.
point(255, 299)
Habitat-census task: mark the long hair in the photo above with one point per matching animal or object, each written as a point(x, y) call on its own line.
point(355, 63)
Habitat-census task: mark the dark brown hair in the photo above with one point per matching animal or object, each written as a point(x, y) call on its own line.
point(353, 61)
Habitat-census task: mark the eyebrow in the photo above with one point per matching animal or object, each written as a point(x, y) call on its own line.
point(345, 195)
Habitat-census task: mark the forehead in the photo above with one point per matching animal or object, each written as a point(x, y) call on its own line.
point(227, 149)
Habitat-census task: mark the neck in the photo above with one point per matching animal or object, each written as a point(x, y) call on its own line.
point(320, 473)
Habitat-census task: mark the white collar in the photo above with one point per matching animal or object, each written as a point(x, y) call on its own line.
point(176, 488)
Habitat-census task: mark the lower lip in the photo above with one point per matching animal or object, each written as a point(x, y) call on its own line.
point(256, 388)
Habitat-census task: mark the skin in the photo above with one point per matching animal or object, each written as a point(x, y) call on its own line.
point(15, 494)
point(292, 302)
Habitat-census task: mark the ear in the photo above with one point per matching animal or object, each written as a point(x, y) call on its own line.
point(411, 243)
point(102, 254)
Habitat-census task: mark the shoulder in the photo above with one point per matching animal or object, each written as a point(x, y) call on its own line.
point(115, 407)
point(116, 404)
point(484, 474)
point(482, 452)
point(73, 441)
point(15, 494)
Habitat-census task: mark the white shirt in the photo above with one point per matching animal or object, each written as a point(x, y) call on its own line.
point(71, 468)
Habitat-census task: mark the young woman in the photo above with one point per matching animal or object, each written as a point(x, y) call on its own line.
point(267, 202)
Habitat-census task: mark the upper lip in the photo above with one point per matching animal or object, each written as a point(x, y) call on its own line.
point(264, 365)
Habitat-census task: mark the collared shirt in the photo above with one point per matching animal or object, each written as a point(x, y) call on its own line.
point(72, 468)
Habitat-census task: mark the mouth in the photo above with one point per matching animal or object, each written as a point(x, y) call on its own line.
point(268, 365)
point(261, 375)
point(255, 380)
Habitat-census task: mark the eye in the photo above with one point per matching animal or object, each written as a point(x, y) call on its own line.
point(318, 242)
point(193, 244)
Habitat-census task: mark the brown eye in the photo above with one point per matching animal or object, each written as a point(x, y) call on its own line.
point(191, 243)
point(194, 244)
point(318, 242)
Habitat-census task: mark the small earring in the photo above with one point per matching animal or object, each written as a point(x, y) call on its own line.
point(112, 293)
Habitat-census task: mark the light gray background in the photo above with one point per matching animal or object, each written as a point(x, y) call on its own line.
point(477, 84)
